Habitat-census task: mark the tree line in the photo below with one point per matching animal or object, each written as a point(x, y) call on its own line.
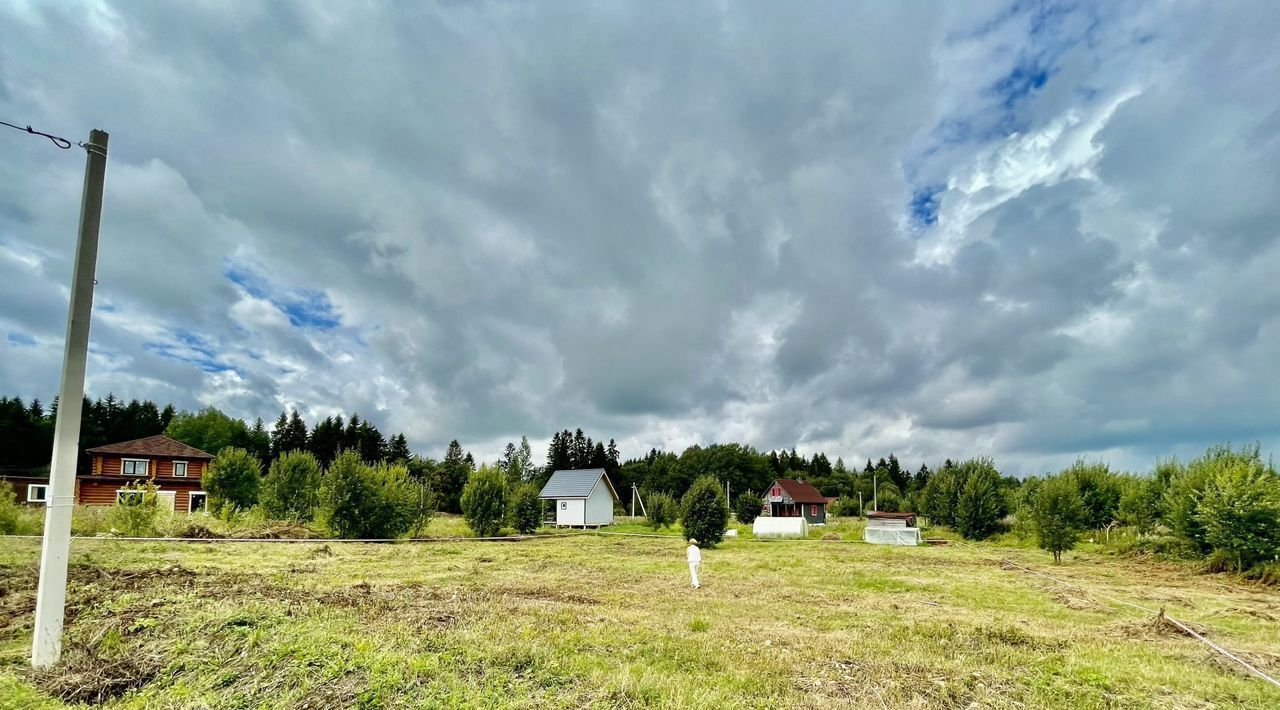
point(1223, 505)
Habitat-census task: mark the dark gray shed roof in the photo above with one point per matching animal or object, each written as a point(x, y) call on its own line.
point(577, 483)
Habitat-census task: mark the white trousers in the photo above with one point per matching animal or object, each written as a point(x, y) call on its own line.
point(693, 573)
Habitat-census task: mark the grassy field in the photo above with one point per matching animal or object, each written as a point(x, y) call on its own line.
point(609, 621)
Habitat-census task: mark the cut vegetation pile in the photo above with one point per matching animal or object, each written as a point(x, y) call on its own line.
point(610, 622)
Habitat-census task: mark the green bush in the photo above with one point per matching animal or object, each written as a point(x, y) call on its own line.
point(292, 487)
point(940, 499)
point(10, 515)
point(1057, 513)
point(890, 499)
point(981, 503)
point(360, 501)
point(136, 512)
point(704, 513)
point(1100, 491)
point(525, 508)
point(1240, 513)
point(660, 510)
point(484, 501)
point(232, 480)
point(1140, 503)
point(748, 508)
point(1187, 486)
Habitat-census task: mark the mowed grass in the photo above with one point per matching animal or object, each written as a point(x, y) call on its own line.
point(609, 621)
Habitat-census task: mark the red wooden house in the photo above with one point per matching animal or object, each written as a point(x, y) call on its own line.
point(786, 498)
point(176, 470)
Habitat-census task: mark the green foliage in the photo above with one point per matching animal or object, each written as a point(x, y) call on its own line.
point(704, 512)
point(292, 487)
point(1057, 513)
point(1100, 491)
point(232, 480)
point(660, 510)
point(209, 430)
point(1187, 485)
point(10, 514)
point(748, 507)
point(1140, 500)
point(363, 501)
point(137, 510)
point(981, 502)
point(940, 497)
point(525, 508)
point(890, 499)
point(1240, 512)
point(484, 500)
point(451, 476)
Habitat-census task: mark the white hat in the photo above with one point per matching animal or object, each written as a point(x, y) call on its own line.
point(693, 541)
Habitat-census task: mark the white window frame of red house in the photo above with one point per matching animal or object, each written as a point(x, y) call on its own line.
point(44, 492)
point(190, 500)
point(146, 466)
point(130, 491)
point(185, 468)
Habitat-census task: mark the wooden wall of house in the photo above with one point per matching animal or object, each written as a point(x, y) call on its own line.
point(112, 465)
point(95, 493)
point(104, 492)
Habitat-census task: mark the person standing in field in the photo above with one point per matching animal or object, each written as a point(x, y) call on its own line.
point(694, 556)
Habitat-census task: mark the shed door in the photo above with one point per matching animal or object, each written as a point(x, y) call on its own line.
point(165, 499)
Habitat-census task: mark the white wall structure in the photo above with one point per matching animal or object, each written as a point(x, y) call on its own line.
point(899, 534)
point(766, 526)
point(570, 512)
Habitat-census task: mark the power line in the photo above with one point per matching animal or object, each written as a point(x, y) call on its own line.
point(59, 141)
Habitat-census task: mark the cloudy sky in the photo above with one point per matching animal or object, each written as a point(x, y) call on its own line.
point(1024, 230)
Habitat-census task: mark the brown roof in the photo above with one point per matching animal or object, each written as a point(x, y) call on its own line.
point(801, 492)
point(884, 515)
point(159, 445)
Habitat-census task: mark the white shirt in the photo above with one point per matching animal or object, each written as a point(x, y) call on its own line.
point(694, 554)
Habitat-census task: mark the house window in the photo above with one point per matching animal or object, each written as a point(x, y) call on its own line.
point(777, 491)
point(564, 505)
point(37, 493)
point(129, 497)
point(180, 469)
point(134, 467)
point(813, 510)
point(199, 501)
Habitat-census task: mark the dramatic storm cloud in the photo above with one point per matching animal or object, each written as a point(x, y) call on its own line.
point(1028, 231)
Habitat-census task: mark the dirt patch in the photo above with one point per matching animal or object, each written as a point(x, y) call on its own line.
point(896, 684)
point(336, 693)
point(1265, 615)
point(831, 536)
point(1143, 630)
point(414, 604)
point(85, 677)
point(548, 594)
point(1078, 601)
point(17, 599)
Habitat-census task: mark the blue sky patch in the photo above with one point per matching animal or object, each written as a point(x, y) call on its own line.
point(21, 339)
point(305, 308)
point(924, 205)
point(189, 348)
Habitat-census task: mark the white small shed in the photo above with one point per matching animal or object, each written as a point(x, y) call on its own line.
point(582, 497)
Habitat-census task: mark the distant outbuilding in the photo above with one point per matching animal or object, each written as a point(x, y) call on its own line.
point(582, 497)
point(796, 499)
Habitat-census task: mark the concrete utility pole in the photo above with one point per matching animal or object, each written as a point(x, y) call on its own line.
point(51, 596)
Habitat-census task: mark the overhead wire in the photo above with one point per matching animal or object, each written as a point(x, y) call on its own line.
point(59, 141)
